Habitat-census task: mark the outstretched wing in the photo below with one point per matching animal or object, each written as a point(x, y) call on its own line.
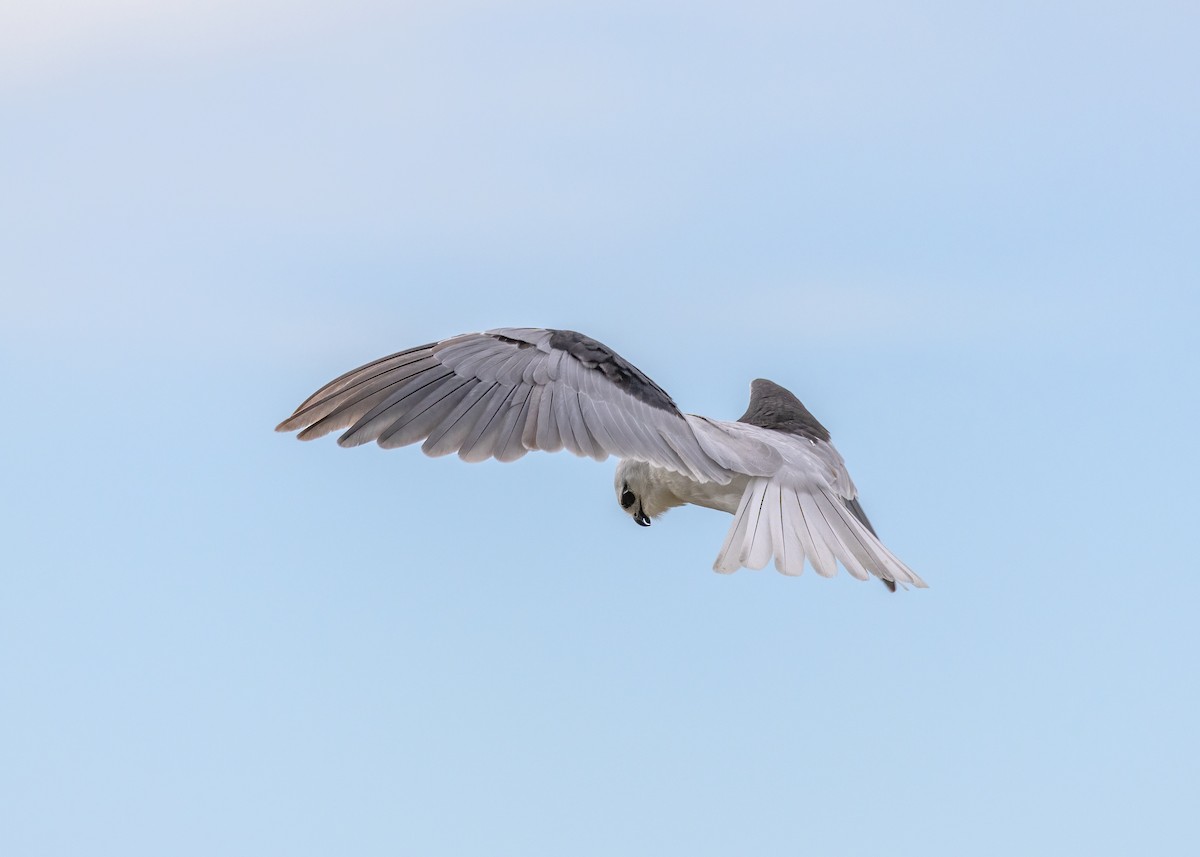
point(502, 393)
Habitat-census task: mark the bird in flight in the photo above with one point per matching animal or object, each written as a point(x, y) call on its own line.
point(504, 392)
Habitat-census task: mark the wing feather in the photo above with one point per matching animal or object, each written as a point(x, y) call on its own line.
point(509, 446)
point(427, 411)
point(370, 370)
point(577, 378)
point(344, 407)
point(601, 429)
point(561, 414)
point(533, 407)
point(547, 435)
point(464, 354)
point(480, 440)
point(504, 392)
point(450, 435)
point(379, 418)
point(511, 370)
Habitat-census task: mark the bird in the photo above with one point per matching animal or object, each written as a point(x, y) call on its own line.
point(504, 392)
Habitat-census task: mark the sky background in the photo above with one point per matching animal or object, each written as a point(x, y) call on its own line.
point(964, 234)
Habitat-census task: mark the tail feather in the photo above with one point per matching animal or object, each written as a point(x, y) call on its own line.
point(823, 559)
point(793, 525)
point(854, 506)
point(858, 556)
point(729, 559)
point(762, 542)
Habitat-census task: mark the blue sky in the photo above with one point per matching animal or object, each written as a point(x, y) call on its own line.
point(966, 237)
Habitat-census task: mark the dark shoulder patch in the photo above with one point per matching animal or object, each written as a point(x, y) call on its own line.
point(598, 356)
point(773, 407)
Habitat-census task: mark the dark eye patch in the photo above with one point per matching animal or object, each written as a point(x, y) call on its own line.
point(627, 499)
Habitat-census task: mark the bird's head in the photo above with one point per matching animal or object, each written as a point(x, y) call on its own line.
point(640, 493)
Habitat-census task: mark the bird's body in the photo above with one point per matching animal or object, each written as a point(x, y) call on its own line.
point(661, 489)
point(505, 392)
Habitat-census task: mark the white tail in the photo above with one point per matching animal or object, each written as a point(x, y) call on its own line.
point(790, 524)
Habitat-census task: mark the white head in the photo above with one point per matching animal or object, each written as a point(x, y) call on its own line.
point(642, 492)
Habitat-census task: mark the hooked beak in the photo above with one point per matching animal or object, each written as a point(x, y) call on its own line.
point(642, 520)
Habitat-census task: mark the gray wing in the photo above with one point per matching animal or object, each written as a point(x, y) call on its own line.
point(502, 393)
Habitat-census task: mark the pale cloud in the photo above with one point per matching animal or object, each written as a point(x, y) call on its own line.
point(46, 40)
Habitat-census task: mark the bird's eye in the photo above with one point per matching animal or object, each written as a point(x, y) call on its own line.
point(627, 499)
